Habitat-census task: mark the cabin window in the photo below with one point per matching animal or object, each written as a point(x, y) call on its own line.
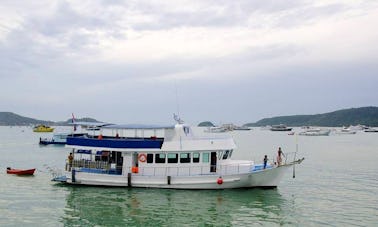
point(185, 158)
point(172, 158)
point(196, 157)
point(159, 158)
point(205, 157)
point(225, 154)
point(230, 154)
point(150, 158)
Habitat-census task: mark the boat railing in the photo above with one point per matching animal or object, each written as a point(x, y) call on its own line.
point(222, 169)
point(88, 164)
point(288, 158)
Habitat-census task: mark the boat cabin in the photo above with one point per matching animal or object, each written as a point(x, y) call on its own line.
point(150, 151)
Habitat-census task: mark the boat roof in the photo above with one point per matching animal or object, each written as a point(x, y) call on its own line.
point(137, 126)
point(95, 124)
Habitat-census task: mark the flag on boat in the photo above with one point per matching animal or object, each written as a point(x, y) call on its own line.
point(73, 122)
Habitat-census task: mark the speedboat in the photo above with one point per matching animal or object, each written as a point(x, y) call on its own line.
point(280, 127)
point(20, 171)
point(345, 131)
point(315, 132)
point(166, 156)
point(43, 128)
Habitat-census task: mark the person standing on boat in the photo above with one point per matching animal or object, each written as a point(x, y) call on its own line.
point(279, 156)
point(265, 161)
point(70, 160)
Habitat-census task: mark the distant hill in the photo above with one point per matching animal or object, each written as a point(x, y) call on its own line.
point(9, 118)
point(206, 124)
point(365, 116)
point(69, 121)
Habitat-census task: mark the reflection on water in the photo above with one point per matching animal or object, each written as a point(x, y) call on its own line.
point(92, 206)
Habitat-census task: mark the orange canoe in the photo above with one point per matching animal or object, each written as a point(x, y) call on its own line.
point(20, 171)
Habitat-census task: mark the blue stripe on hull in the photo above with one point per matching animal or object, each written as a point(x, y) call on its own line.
point(116, 143)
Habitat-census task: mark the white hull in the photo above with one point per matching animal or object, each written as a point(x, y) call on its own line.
point(179, 160)
point(264, 178)
point(315, 133)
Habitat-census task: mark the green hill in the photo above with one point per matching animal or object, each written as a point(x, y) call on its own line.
point(9, 118)
point(206, 124)
point(354, 116)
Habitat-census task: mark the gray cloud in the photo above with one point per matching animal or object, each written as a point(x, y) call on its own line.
point(54, 60)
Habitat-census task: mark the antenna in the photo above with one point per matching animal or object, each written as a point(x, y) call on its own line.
point(177, 100)
point(177, 117)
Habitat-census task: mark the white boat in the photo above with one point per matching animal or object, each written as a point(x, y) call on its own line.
point(267, 127)
point(358, 127)
point(215, 130)
point(346, 131)
point(371, 130)
point(166, 157)
point(242, 128)
point(315, 132)
point(59, 138)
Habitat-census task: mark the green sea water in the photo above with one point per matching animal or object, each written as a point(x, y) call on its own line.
point(336, 185)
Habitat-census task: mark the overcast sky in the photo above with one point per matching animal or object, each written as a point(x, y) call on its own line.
point(223, 61)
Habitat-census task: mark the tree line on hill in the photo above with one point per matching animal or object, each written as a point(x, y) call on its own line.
point(9, 118)
point(364, 115)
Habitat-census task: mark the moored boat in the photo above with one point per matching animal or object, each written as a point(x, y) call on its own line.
point(280, 128)
point(59, 138)
point(43, 128)
point(371, 130)
point(165, 157)
point(346, 131)
point(215, 129)
point(20, 171)
point(315, 132)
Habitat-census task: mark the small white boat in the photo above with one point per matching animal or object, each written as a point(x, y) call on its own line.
point(371, 130)
point(215, 130)
point(358, 127)
point(267, 127)
point(166, 157)
point(345, 131)
point(315, 132)
point(242, 128)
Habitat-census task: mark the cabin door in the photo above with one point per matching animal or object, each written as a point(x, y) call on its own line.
point(135, 159)
point(127, 163)
point(213, 162)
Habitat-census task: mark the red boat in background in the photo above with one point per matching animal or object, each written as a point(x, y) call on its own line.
point(20, 171)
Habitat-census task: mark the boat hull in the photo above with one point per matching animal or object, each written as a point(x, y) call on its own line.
point(48, 142)
point(268, 178)
point(21, 171)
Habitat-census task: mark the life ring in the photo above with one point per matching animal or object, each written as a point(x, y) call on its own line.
point(142, 157)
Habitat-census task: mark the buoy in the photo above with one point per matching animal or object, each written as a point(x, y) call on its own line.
point(220, 180)
point(142, 157)
point(134, 169)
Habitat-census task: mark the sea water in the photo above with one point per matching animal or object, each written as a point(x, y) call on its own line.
point(336, 185)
